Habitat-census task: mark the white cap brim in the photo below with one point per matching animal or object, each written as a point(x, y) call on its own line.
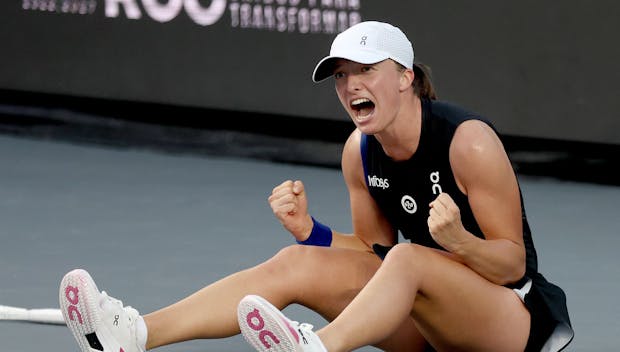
point(325, 68)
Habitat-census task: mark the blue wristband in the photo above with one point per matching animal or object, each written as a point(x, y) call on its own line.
point(321, 235)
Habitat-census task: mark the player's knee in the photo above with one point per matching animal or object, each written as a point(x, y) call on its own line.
point(405, 254)
point(295, 259)
point(295, 253)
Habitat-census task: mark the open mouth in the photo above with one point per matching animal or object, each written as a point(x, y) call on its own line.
point(362, 107)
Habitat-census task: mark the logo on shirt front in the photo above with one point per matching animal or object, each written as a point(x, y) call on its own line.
point(375, 181)
point(436, 187)
point(409, 204)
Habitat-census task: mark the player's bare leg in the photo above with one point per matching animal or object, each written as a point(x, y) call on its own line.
point(452, 306)
point(324, 280)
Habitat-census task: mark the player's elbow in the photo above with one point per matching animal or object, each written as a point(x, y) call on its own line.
point(512, 272)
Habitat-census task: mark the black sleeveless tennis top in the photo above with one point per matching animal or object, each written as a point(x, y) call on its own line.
point(403, 190)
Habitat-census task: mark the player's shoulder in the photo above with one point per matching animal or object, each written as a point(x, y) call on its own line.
point(351, 153)
point(352, 143)
point(475, 142)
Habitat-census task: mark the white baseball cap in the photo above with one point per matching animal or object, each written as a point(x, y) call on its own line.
point(366, 43)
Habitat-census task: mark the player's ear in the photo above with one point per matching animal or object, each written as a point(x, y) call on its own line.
point(406, 79)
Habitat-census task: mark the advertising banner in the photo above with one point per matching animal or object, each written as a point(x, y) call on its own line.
point(538, 69)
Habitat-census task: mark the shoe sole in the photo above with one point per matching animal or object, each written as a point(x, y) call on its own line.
point(79, 301)
point(264, 327)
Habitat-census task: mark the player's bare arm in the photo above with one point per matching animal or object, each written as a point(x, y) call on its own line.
point(369, 225)
point(483, 171)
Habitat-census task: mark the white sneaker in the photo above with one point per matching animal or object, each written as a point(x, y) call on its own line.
point(98, 322)
point(267, 329)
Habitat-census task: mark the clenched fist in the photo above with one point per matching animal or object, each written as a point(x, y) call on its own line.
point(444, 222)
point(289, 204)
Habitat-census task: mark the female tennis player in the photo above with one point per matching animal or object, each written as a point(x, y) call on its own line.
point(436, 173)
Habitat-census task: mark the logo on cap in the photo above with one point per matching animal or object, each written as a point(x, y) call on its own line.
point(363, 41)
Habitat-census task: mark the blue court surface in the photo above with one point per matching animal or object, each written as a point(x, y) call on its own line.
point(153, 227)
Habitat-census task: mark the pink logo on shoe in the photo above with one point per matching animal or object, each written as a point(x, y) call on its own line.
point(71, 294)
point(258, 326)
point(290, 328)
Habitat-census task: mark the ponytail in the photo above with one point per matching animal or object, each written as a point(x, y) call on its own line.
point(422, 85)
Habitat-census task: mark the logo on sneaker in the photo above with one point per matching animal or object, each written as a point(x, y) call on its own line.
point(259, 326)
point(71, 294)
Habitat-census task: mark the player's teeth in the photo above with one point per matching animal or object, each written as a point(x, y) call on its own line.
point(359, 101)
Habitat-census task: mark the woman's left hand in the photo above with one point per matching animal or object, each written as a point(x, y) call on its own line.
point(444, 223)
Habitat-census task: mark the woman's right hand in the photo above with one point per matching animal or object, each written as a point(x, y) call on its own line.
point(289, 204)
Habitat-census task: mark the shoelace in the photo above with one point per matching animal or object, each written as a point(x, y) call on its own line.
point(306, 326)
point(301, 328)
point(132, 314)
